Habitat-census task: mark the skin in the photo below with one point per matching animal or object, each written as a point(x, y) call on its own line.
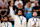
point(17, 0)
point(10, 19)
point(20, 5)
point(35, 14)
point(29, 5)
point(20, 12)
point(5, 19)
point(11, 4)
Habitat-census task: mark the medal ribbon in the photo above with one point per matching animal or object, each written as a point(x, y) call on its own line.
point(34, 20)
point(5, 24)
point(21, 19)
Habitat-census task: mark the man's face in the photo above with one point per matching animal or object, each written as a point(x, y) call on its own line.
point(19, 12)
point(20, 4)
point(28, 4)
point(34, 14)
point(5, 19)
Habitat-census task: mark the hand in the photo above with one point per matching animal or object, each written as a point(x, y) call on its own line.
point(34, 24)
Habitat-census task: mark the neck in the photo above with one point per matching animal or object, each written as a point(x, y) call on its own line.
point(5, 21)
point(20, 15)
point(11, 6)
point(34, 17)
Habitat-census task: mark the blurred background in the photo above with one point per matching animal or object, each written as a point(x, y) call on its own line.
point(28, 7)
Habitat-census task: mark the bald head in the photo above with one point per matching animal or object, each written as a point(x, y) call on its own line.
point(35, 14)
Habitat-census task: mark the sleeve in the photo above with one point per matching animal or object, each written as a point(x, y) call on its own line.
point(12, 13)
point(29, 23)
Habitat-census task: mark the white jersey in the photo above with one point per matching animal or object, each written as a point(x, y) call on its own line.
point(39, 22)
point(32, 21)
point(17, 21)
point(6, 24)
point(0, 23)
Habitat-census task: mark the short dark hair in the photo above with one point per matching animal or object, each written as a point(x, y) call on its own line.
point(21, 10)
point(5, 16)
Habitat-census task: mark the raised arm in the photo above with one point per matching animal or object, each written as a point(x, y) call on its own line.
point(12, 12)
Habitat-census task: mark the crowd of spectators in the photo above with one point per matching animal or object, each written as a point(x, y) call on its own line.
point(28, 7)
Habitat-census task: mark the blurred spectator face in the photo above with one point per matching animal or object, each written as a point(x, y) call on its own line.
point(20, 5)
point(11, 3)
point(34, 14)
point(28, 4)
point(5, 19)
point(35, 3)
point(19, 12)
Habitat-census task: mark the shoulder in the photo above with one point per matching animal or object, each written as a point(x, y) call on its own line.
point(30, 19)
point(24, 17)
point(2, 23)
point(9, 22)
point(37, 18)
